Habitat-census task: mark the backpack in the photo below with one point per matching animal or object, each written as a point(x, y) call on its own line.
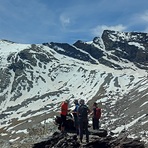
point(75, 110)
point(83, 112)
point(98, 113)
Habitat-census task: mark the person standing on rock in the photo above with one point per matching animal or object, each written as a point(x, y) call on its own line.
point(96, 116)
point(75, 115)
point(83, 112)
point(64, 112)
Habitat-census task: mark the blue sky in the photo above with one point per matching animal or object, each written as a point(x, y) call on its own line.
point(39, 21)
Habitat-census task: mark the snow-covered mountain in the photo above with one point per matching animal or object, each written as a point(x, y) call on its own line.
point(111, 69)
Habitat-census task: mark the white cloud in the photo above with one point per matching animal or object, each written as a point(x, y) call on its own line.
point(64, 20)
point(140, 18)
point(144, 16)
point(97, 31)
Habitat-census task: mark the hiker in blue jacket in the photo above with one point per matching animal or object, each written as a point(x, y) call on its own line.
point(83, 111)
point(75, 115)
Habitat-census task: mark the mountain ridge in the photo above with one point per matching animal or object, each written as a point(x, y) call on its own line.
point(111, 69)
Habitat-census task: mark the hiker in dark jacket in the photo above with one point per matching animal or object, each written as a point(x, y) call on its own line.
point(75, 115)
point(83, 111)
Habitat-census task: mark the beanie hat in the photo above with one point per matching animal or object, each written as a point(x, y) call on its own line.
point(66, 101)
point(81, 101)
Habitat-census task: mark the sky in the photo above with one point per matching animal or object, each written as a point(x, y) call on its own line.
point(66, 21)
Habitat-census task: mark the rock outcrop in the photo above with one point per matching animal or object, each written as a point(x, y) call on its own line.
point(132, 46)
point(71, 141)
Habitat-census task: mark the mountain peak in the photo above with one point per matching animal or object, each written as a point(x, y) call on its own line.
point(128, 45)
point(126, 36)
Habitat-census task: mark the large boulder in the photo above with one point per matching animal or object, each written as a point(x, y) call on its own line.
point(69, 123)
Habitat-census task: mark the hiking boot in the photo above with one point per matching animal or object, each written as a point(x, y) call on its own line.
point(80, 140)
point(64, 133)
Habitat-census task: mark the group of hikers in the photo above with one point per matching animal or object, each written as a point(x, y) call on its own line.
point(80, 114)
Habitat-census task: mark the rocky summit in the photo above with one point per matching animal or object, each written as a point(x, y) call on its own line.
point(97, 138)
point(71, 141)
point(35, 78)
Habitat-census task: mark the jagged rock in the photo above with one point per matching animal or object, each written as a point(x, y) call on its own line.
point(69, 50)
point(133, 45)
point(71, 141)
point(91, 49)
point(58, 140)
point(100, 132)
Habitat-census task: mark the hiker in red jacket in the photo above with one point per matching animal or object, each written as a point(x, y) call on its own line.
point(96, 116)
point(64, 112)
